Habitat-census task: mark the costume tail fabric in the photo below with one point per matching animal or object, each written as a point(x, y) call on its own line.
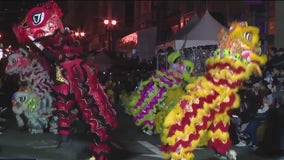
point(172, 98)
point(76, 85)
point(36, 78)
point(192, 118)
point(152, 94)
point(93, 103)
point(202, 114)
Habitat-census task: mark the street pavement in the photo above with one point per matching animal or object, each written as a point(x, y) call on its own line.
point(128, 143)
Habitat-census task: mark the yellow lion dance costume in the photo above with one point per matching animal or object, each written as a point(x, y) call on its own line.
point(203, 111)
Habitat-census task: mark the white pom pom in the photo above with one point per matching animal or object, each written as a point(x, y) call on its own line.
point(232, 155)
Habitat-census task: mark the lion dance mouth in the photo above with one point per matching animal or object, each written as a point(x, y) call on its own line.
point(202, 114)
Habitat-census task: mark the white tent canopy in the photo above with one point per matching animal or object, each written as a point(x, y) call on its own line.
point(203, 33)
point(207, 29)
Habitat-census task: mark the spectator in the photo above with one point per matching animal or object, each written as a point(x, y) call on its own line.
point(253, 124)
point(242, 115)
point(263, 90)
point(272, 142)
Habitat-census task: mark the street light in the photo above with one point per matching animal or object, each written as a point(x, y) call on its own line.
point(78, 34)
point(109, 25)
point(107, 22)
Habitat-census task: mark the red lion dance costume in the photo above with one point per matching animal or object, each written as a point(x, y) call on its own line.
point(76, 79)
point(203, 111)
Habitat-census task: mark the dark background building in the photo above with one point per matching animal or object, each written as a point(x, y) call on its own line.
point(168, 16)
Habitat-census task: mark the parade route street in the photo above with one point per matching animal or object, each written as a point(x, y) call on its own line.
point(128, 143)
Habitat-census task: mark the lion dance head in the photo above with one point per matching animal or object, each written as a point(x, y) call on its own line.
point(241, 43)
point(41, 21)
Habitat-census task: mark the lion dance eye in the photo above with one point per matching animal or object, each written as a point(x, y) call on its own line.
point(38, 18)
point(248, 36)
point(22, 99)
point(217, 52)
point(237, 56)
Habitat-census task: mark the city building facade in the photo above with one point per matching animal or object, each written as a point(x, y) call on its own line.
point(168, 16)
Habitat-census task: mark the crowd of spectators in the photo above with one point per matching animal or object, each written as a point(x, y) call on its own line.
point(126, 75)
point(258, 122)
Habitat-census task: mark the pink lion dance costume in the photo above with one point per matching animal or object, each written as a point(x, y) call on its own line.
point(76, 81)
